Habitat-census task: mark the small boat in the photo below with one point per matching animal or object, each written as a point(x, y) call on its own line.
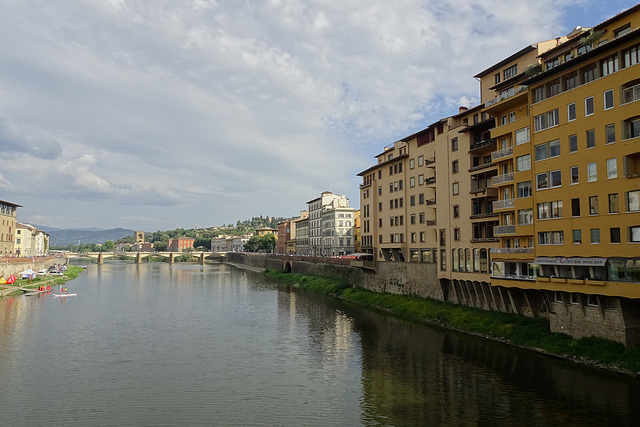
point(64, 295)
point(30, 294)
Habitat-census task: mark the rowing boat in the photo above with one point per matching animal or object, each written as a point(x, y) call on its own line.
point(64, 295)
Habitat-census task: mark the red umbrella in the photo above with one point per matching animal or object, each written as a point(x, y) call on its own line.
point(11, 279)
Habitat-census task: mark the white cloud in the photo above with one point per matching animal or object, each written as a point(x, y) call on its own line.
point(207, 112)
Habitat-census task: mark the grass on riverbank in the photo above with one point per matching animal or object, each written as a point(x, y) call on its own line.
point(512, 328)
point(71, 273)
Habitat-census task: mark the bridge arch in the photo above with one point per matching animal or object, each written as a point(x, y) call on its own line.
point(288, 266)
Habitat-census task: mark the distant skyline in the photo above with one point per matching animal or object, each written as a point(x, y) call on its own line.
point(154, 115)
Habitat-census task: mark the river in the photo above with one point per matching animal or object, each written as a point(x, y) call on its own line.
point(158, 344)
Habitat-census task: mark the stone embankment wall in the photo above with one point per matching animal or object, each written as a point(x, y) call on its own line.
point(396, 278)
point(9, 266)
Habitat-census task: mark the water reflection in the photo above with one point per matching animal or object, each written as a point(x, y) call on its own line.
point(159, 344)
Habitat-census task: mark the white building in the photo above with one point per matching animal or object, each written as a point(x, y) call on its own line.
point(317, 243)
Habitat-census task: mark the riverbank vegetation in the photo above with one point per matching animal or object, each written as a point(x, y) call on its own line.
point(532, 333)
point(72, 272)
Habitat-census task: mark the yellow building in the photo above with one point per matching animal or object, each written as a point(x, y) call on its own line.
point(530, 201)
point(570, 208)
point(8, 228)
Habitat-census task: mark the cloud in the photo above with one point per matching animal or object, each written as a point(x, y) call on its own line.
point(209, 111)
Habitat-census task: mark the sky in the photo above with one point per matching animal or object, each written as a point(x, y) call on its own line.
point(158, 114)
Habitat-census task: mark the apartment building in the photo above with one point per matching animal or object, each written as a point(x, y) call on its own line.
point(570, 211)
point(302, 235)
point(8, 213)
point(318, 243)
point(338, 225)
point(530, 201)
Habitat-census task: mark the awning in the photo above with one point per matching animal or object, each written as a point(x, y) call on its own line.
point(575, 261)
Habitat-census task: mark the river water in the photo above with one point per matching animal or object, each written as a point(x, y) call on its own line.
point(159, 344)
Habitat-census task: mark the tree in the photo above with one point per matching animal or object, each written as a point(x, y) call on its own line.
point(108, 246)
point(268, 243)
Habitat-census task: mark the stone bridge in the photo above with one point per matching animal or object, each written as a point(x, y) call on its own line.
point(140, 256)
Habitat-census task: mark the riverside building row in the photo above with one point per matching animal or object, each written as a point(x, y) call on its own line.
point(530, 201)
point(17, 239)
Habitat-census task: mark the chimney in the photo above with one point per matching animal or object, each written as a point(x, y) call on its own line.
point(462, 110)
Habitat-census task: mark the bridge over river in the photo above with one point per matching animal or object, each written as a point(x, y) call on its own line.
point(140, 256)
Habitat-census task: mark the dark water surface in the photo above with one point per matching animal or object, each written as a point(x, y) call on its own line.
point(159, 344)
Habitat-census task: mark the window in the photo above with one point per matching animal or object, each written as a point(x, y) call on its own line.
point(588, 72)
point(420, 179)
point(454, 166)
point(511, 72)
point(593, 205)
point(614, 234)
point(547, 150)
point(412, 181)
point(455, 188)
point(380, 190)
point(632, 56)
point(421, 199)
point(608, 99)
point(546, 120)
point(496, 78)
point(420, 161)
point(574, 174)
point(571, 112)
point(575, 207)
point(524, 189)
point(609, 65)
point(573, 143)
point(613, 203)
point(456, 234)
point(632, 127)
point(595, 235)
point(551, 238)
point(538, 94)
point(577, 237)
point(591, 138)
point(634, 234)
point(512, 116)
point(503, 120)
point(413, 218)
point(612, 169)
point(549, 210)
point(412, 200)
point(610, 131)
point(571, 81)
point(549, 180)
point(454, 144)
point(588, 106)
point(525, 216)
point(625, 29)
point(592, 172)
point(456, 211)
point(522, 136)
point(523, 163)
point(633, 201)
point(412, 163)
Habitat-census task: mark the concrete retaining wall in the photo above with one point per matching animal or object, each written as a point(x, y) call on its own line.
point(12, 267)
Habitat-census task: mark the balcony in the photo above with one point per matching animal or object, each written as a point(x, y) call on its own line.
point(482, 166)
point(504, 96)
point(431, 162)
point(483, 215)
point(431, 202)
point(365, 185)
point(503, 204)
point(631, 94)
point(501, 179)
point(432, 222)
point(514, 277)
point(501, 154)
point(511, 250)
point(484, 240)
point(500, 230)
point(477, 145)
point(430, 181)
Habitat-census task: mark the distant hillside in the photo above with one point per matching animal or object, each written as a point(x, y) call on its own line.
point(64, 237)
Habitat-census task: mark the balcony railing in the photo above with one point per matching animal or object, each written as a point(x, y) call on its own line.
point(504, 229)
point(504, 96)
point(482, 143)
point(501, 179)
point(503, 204)
point(511, 250)
point(631, 94)
point(514, 277)
point(501, 154)
point(431, 202)
point(431, 222)
point(430, 180)
point(430, 162)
